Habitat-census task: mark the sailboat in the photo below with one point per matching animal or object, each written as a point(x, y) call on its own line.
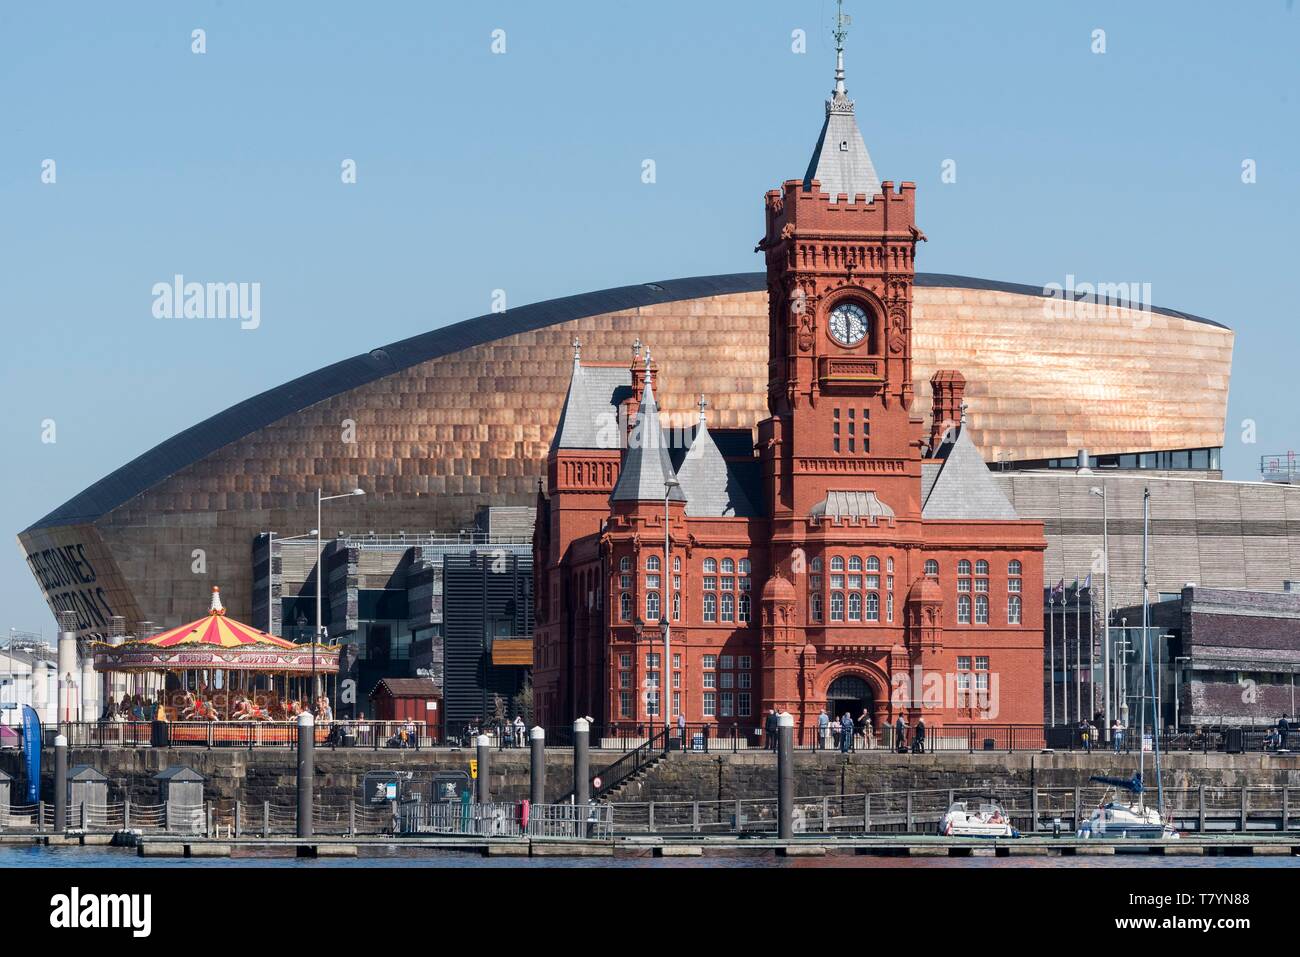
point(1130, 817)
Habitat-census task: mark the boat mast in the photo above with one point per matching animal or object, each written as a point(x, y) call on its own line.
point(1146, 612)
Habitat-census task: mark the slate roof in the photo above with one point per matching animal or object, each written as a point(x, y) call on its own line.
point(840, 161)
point(962, 486)
point(646, 465)
point(712, 488)
point(589, 419)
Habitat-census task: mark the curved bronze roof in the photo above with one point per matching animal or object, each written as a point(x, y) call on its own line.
point(244, 418)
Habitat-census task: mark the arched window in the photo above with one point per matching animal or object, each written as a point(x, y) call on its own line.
point(981, 609)
point(815, 607)
point(625, 564)
point(981, 567)
point(743, 615)
point(889, 564)
point(652, 563)
point(651, 605)
point(710, 565)
point(837, 606)
point(625, 607)
point(1013, 610)
point(963, 609)
point(744, 566)
point(931, 567)
point(728, 566)
point(677, 563)
point(837, 563)
point(677, 606)
point(873, 564)
point(710, 606)
point(815, 565)
point(728, 606)
point(873, 606)
point(963, 567)
point(855, 563)
point(855, 606)
point(1013, 567)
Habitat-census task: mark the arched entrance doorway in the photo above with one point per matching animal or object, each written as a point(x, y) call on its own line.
point(851, 693)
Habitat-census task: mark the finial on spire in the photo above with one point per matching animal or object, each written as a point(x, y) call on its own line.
point(839, 101)
point(577, 348)
point(636, 348)
point(964, 407)
point(217, 608)
point(703, 404)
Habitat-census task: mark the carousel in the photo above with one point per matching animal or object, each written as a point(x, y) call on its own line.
point(216, 680)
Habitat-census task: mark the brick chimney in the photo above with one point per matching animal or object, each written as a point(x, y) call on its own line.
point(947, 386)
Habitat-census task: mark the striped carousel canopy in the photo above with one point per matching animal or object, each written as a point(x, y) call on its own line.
point(215, 630)
point(216, 642)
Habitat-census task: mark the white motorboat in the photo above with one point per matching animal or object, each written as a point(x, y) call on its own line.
point(986, 818)
point(1115, 819)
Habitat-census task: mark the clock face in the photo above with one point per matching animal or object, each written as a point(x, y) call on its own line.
point(848, 324)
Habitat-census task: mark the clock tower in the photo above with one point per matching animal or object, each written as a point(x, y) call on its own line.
point(840, 248)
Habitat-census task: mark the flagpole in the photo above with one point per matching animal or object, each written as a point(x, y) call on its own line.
point(1078, 653)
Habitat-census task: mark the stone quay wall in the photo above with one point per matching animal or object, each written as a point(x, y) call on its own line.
point(269, 775)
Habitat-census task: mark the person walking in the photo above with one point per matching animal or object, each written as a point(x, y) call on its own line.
point(918, 738)
point(868, 732)
point(823, 730)
point(846, 732)
point(900, 735)
point(771, 727)
point(1084, 736)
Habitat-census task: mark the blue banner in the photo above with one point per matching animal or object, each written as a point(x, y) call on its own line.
point(32, 752)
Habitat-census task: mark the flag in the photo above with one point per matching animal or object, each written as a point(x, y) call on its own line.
point(1058, 589)
point(1087, 582)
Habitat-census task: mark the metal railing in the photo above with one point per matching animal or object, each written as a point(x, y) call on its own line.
point(241, 734)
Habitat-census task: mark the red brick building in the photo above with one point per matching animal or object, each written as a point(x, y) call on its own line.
point(848, 556)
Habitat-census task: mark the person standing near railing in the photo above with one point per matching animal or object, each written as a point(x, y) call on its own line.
point(770, 727)
point(868, 731)
point(900, 735)
point(823, 731)
point(846, 733)
point(681, 730)
point(1117, 735)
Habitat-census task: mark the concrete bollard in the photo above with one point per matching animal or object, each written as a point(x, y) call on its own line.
point(785, 775)
point(537, 767)
point(581, 775)
point(60, 784)
point(306, 771)
point(483, 746)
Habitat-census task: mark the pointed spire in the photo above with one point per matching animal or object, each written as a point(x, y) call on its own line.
point(217, 608)
point(703, 404)
point(646, 466)
point(577, 349)
point(840, 163)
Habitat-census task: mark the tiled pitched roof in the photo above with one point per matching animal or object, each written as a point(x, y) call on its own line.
point(712, 488)
point(646, 465)
point(963, 488)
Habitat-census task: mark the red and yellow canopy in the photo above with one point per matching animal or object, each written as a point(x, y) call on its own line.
point(215, 641)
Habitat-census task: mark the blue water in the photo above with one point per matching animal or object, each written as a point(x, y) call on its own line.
point(55, 857)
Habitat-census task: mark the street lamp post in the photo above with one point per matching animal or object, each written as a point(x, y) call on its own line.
point(665, 606)
point(1100, 490)
point(321, 498)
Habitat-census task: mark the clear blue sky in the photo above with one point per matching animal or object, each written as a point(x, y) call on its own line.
point(522, 172)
